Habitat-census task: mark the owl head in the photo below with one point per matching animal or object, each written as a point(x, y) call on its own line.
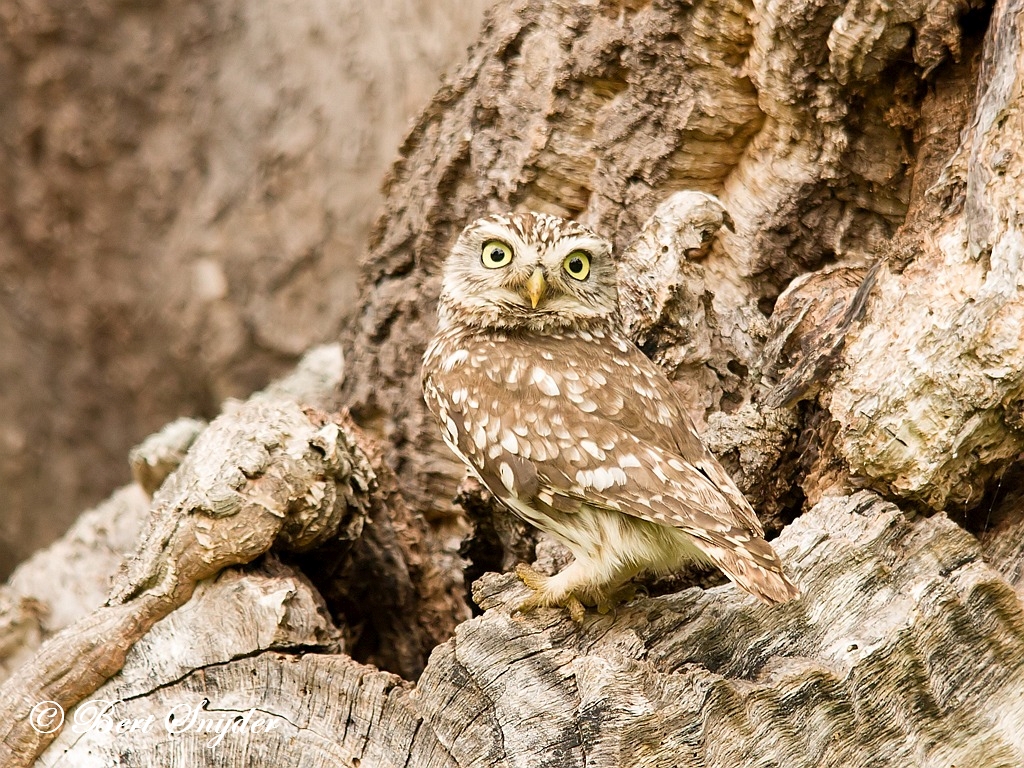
point(529, 271)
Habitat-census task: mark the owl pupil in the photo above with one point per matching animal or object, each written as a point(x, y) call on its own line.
point(497, 255)
point(576, 265)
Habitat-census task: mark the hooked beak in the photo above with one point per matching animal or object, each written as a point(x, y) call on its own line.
point(536, 286)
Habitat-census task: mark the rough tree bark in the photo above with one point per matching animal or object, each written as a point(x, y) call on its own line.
point(185, 189)
point(816, 206)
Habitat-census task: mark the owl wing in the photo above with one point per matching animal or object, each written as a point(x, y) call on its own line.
point(645, 481)
point(601, 465)
point(617, 471)
point(607, 431)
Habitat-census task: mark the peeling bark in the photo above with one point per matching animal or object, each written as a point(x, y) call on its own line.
point(904, 648)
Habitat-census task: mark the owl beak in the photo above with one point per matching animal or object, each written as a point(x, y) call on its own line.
point(536, 286)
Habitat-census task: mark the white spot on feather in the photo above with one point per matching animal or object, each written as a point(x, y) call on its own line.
point(544, 381)
point(454, 359)
point(571, 454)
point(538, 451)
point(451, 427)
point(509, 442)
point(601, 478)
point(618, 477)
point(507, 478)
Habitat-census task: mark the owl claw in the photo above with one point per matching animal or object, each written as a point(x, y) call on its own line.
point(575, 608)
point(541, 597)
point(531, 577)
point(571, 603)
point(623, 594)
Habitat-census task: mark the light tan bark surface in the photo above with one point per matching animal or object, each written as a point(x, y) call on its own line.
point(185, 190)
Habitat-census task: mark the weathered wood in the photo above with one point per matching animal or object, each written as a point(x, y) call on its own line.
point(902, 651)
point(186, 188)
point(237, 615)
point(932, 380)
point(267, 472)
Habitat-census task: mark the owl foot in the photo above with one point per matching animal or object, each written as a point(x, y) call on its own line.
point(544, 597)
point(623, 594)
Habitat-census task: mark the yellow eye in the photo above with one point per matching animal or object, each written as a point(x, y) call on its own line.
point(496, 254)
point(577, 264)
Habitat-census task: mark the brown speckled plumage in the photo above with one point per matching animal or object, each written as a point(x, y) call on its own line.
point(571, 427)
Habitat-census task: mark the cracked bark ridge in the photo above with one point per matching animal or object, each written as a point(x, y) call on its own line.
point(931, 383)
point(265, 472)
point(808, 329)
point(903, 645)
point(602, 112)
point(162, 452)
point(666, 306)
point(999, 525)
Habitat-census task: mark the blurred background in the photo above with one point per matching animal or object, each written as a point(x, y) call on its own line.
point(185, 190)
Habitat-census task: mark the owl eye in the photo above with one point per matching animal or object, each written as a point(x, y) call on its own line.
point(496, 254)
point(577, 264)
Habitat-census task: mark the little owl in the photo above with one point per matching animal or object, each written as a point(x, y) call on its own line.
point(570, 427)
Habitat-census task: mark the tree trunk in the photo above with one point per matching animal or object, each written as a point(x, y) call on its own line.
point(185, 189)
point(816, 207)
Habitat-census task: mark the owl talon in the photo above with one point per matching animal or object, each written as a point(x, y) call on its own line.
point(571, 603)
point(541, 597)
point(531, 577)
point(623, 594)
point(575, 608)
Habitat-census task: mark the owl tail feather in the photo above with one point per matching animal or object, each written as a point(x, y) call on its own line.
point(753, 566)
